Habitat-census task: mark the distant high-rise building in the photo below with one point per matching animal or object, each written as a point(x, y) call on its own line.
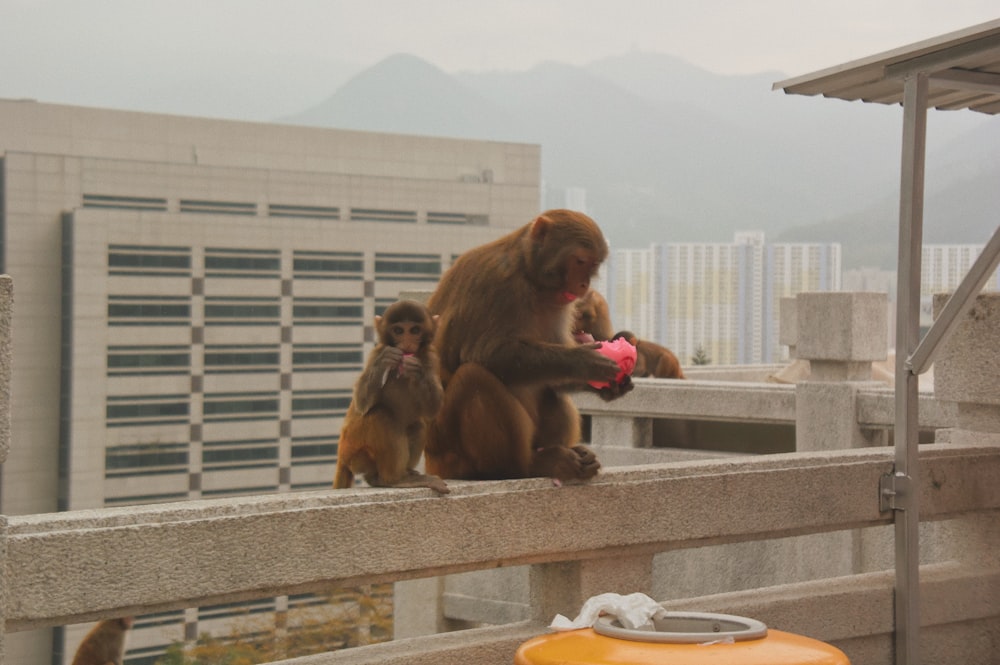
point(941, 271)
point(573, 198)
point(195, 298)
point(719, 297)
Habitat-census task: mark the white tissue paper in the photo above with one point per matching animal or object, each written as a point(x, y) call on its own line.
point(633, 611)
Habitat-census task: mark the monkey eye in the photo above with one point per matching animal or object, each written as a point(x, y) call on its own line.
point(398, 330)
point(415, 330)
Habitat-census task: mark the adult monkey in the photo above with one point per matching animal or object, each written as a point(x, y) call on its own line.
point(507, 355)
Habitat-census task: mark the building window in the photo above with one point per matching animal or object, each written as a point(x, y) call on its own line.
point(241, 358)
point(148, 360)
point(239, 454)
point(218, 207)
point(320, 403)
point(242, 262)
point(149, 310)
point(310, 450)
point(327, 311)
point(457, 218)
point(146, 410)
point(112, 201)
point(144, 459)
point(382, 215)
point(141, 261)
point(328, 265)
point(223, 407)
point(308, 212)
point(408, 267)
point(327, 357)
point(242, 311)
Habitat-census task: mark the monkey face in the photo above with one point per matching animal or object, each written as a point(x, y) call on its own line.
point(407, 336)
point(580, 267)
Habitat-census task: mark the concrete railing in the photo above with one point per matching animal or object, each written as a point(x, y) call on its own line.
point(578, 540)
point(619, 533)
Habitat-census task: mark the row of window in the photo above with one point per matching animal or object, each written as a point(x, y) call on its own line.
point(164, 458)
point(165, 261)
point(154, 310)
point(174, 409)
point(231, 359)
point(248, 208)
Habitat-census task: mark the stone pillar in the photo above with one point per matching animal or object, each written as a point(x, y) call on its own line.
point(967, 370)
point(6, 308)
point(840, 334)
point(788, 325)
point(624, 431)
point(563, 588)
point(417, 608)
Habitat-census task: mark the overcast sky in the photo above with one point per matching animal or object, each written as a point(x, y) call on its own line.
point(260, 57)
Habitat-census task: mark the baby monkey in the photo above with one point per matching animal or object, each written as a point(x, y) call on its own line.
point(383, 432)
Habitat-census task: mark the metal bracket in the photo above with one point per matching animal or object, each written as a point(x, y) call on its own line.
point(894, 491)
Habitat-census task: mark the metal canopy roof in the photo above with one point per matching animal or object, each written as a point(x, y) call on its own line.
point(963, 70)
point(958, 70)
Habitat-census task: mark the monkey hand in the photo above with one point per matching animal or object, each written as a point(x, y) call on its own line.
point(615, 389)
point(595, 367)
point(565, 464)
point(390, 357)
point(410, 366)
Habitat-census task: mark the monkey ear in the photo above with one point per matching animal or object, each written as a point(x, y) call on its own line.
point(540, 228)
point(378, 320)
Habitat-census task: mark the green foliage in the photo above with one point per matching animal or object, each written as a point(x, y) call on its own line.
point(700, 357)
point(350, 618)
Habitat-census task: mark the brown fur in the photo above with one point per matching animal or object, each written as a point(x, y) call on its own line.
point(591, 316)
point(652, 359)
point(507, 355)
point(104, 644)
point(383, 431)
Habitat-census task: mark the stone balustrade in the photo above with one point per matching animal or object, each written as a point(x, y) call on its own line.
point(622, 532)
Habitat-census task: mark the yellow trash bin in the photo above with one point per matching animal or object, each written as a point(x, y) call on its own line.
point(679, 638)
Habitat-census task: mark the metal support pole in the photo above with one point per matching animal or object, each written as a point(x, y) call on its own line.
point(905, 492)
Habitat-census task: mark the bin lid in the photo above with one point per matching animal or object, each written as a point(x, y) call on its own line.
point(686, 628)
point(586, 647)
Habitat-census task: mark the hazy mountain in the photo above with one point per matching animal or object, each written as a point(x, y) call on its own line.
point(404, 94)
point(670, 152)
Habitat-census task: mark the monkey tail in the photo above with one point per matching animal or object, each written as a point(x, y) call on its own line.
point(343, 477)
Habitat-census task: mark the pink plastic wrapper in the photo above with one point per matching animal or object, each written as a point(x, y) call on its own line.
point(622, 353)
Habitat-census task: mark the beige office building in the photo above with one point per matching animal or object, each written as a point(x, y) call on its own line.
point(194, 297)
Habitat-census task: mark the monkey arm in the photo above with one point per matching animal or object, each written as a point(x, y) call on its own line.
point(368, 387)
point(521, 362)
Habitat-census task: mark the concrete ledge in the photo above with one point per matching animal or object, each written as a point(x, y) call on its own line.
point(69, 567)
point(742, 401)
point(853, 613)
point(479, 646)
point(737, 401)
point(876, 408)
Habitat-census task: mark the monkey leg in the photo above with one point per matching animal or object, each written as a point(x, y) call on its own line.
point(382, 451)
point(557, 450)
point(481, 432)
